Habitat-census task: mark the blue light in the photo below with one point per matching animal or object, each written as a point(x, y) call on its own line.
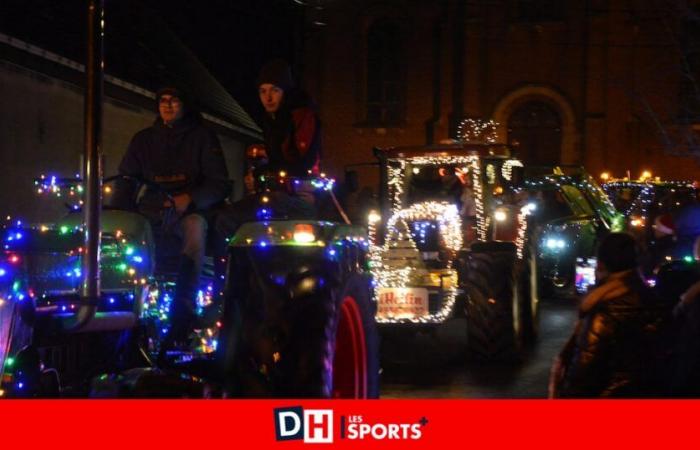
point(331, 252)
point(111, 300)
point(3, 272)
point(262, 244)
point(20, 385)
point(137, 259)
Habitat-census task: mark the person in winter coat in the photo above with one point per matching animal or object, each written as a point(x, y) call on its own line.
point(292, 135)
point(183, 166)
point(620, 341)
point(685, 381)
point(290, 124)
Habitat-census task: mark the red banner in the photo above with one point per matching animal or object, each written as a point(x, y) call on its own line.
point(386, 424)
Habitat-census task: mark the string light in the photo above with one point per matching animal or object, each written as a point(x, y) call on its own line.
point(471, 130)
point(397, 263)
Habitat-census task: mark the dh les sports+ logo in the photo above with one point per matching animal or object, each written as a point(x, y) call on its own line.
point(316, 426)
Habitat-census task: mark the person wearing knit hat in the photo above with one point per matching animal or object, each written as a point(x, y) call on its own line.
point(184, 168)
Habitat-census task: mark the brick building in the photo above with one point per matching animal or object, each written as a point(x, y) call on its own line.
point(606, 84)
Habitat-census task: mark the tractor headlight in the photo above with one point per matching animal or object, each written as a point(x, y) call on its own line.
point(501, 215)
point(304, 233)
point(637, 221)
point(373, 217)
point(554, 244)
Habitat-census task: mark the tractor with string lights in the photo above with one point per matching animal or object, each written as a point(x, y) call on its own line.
point(451, 239)
point(664, 216)
point(648, 198)
point(43, 352)
point(294, 318)
point(572, 215)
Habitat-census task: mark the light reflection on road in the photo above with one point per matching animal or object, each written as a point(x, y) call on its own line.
point(436, 366)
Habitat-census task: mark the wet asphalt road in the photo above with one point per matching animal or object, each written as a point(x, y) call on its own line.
point(436, 365)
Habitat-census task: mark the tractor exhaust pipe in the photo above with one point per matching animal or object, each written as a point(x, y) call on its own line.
point(92, 170)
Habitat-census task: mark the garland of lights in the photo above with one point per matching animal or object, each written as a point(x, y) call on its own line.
point(470, 130)
point(396, 177)
point(507, 168)
point(646, 195)
point(398, 231)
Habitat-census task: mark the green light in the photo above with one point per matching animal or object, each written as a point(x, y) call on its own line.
point(129, 250)
point(122, 267)
point(9, 362)
point(15, 286)
point(688, 259)
point(63, 229)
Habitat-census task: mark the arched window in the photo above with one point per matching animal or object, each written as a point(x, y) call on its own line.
point(385, 85)
point(534, 131)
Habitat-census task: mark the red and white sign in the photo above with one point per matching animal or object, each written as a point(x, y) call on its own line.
point(402, 303)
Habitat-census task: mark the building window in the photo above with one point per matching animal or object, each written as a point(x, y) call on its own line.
point(539, 10)
point(385, 82)
point(534, 131)
point(689, 93)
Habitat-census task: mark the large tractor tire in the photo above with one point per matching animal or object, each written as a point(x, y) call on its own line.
point(501, 304)
point(315, 338)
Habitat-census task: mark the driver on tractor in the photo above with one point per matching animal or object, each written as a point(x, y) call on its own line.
point(183, 167)
point(292, 146)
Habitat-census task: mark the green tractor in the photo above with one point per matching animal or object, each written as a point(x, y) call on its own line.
point(571, 216)
point(290, 315)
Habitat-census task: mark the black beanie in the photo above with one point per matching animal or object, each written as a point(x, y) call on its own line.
point(174, 91)
point(276, 72)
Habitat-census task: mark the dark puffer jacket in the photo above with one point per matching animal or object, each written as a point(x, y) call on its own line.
point(183, 158)
point(620, 344)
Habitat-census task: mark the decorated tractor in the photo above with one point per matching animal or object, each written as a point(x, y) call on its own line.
point(294, 318)
point(451, 239)
point(660, 214)
point(571, 216)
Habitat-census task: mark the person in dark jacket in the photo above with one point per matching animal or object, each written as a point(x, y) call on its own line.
point(620, 341)
point(183, 166)
point(292, 134)
point(685, 380)
point(291, 126)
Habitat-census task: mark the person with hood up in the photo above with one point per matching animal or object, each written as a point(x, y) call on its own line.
point(292, 144)
point(290, 124)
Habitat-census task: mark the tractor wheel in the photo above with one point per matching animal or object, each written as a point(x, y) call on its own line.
point(324, 345)
point(500, 309)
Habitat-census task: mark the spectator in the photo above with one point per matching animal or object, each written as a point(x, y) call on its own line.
point(617, 348)
point(685, 381)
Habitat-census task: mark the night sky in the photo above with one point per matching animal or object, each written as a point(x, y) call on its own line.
point(232, 38)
